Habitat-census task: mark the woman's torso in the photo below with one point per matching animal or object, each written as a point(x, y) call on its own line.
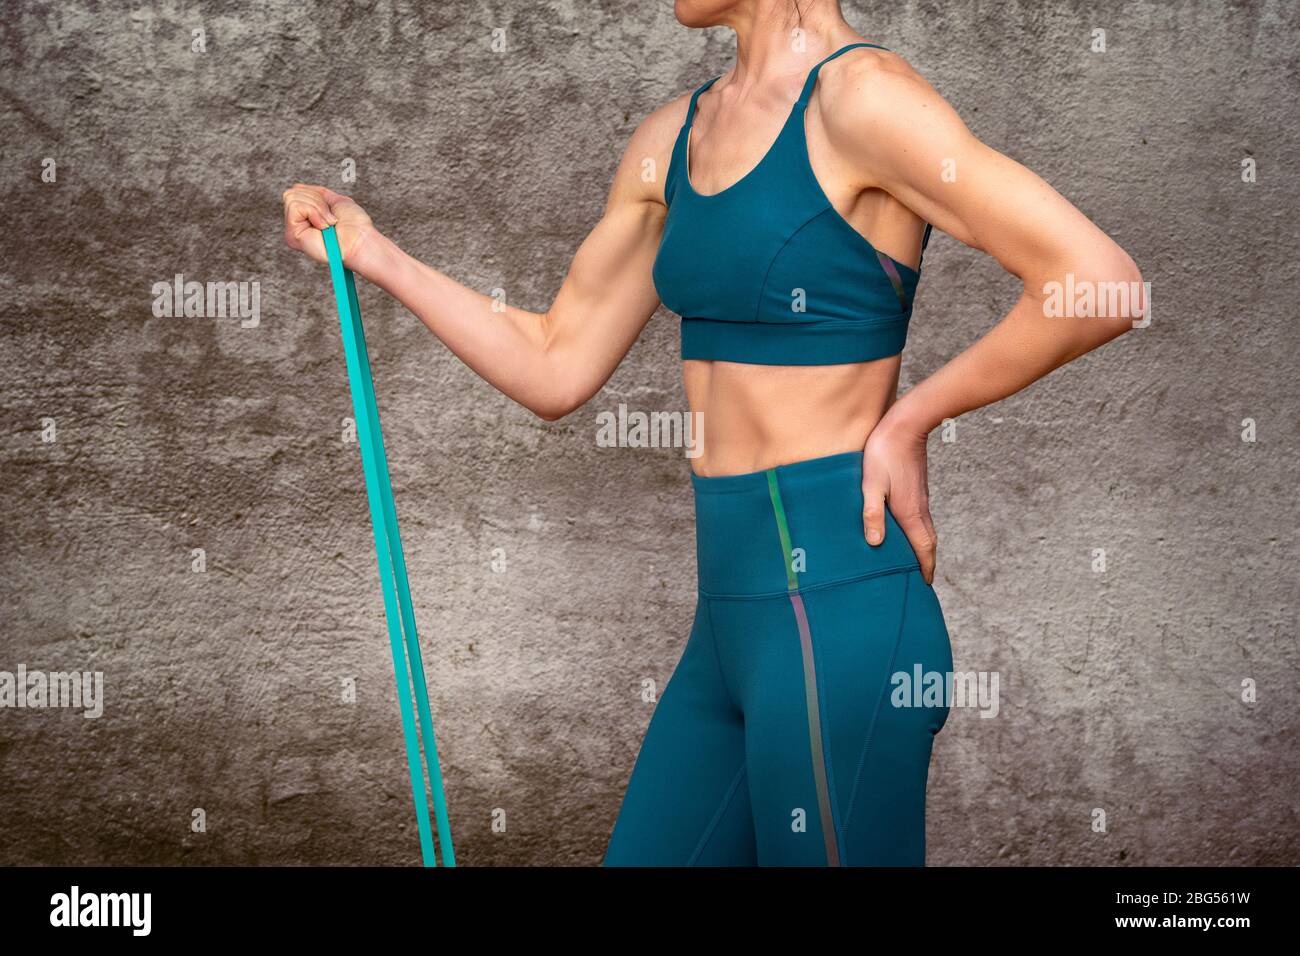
point(757, 416)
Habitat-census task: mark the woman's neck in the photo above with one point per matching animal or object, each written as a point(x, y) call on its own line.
point(772, 40)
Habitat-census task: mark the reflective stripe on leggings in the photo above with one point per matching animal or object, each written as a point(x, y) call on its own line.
point(809, 677)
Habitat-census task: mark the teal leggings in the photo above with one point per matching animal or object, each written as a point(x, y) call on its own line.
point(796, 728)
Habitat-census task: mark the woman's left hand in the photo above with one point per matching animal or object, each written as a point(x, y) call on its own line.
point(894, 475)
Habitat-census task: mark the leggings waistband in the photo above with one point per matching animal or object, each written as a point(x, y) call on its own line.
point(792, 527)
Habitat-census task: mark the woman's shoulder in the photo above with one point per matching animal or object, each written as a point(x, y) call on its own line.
point(664, 122)
point(864, 98)
point(648, 155)
point(865, 77)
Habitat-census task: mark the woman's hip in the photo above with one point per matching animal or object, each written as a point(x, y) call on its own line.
point(792, 527)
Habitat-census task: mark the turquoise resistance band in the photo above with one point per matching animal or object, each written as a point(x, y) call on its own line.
point(392, 563)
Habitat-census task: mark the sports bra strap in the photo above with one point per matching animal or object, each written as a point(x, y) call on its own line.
point(803, 96)
point(690, 109)
point(812, 75)
point(924, 242)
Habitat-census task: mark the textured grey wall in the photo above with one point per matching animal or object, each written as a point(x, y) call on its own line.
point(1120, 690)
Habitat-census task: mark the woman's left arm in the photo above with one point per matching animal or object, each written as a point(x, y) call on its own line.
point(910, 143)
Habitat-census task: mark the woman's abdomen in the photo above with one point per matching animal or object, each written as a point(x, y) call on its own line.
point(761, 416)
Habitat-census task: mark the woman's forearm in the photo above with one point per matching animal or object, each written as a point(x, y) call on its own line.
point(503, 344)
point(1024, 346)
point(550, 362)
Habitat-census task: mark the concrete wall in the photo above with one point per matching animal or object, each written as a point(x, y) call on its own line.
point(1120, 691)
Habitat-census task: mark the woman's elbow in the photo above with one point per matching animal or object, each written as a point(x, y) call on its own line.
point(550, 413)
point(1126, 294)
point(1108, 289)
point(555, 404)
point(547, 410)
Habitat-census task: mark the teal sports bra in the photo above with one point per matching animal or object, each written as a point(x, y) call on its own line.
point(767, 272)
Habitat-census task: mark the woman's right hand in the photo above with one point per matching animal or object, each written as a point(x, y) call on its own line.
point(310, 209)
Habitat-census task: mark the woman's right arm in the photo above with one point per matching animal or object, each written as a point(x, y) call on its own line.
point(550, 362)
